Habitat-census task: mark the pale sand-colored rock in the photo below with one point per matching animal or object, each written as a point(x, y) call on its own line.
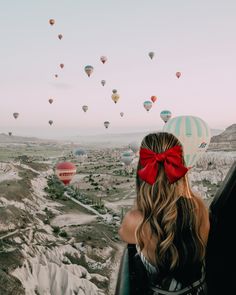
point(72, 219)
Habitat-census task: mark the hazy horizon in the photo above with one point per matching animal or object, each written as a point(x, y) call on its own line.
point(195, 38)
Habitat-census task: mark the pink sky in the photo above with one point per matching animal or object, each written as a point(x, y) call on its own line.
point(194, 37)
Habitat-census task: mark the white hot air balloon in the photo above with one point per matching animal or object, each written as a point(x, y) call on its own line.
point(193, 133)
point(88, 70)
point(147, 105)
point(134, 146)
point(127, 157)
point(165, 115)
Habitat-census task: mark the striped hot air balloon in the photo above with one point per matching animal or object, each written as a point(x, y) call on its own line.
point(165, 115)
point(193, 133)
point(65, 171)
point(127, 157)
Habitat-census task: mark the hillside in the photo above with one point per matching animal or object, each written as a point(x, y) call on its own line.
point(4, 138)
point(225, 140)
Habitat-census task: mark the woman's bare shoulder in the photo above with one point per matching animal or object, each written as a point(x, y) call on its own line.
point(129, 225)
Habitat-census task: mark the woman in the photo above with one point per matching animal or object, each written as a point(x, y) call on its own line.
point(169, 223)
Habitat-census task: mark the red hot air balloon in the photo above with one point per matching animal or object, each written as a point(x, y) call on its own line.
point(51, 22)
point(178, 74)
point(60, 36)
point(153, 98)
point(65, 171)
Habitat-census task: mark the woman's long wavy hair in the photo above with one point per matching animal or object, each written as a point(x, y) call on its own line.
point(170, 210)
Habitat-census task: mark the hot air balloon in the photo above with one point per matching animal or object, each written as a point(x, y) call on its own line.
point(115, 97)
point(193, 133)
point(134, 146)
point(121, 114)
point(151, 54)
point(61, 66)
point(106, 124)
point(103, 82)
point(60, 36)
point(103, 59)
point(147, 105)
point(85, 108)
point(153, 98)
point(10, 133)
point(15, 115)
point(50, 100)
point(165, 115)
point(51, 22)
point(114, 91)
point(127, 157)
point(65, 171)
point(56, 76)
point(50, 122)
point(88, 70)
point(178, 74)
point(80, 154)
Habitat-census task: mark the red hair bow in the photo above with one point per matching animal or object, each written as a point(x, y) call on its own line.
point(173, 164)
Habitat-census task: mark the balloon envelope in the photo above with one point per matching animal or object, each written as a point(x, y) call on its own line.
point(80, 154)
point(10, 133)
point(151, 54)
point(134, 146)
point(103, 59)
point(127, 157)
point(85, 108)
point(106, 124)
point(50, 100)
point(103, 82)
point(50, 122)
point(165, 115)
point(65, 171)
point(115, 97)
point(178, 74)
point(147, 105)
point(153, 98)
point(61, 66)
point(51, 22)
point(121, 114)
point(193, 133)
point(89, 70)
point(15, 115)
point(60, 36)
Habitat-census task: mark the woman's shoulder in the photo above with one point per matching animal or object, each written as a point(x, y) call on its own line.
point(129, 225)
